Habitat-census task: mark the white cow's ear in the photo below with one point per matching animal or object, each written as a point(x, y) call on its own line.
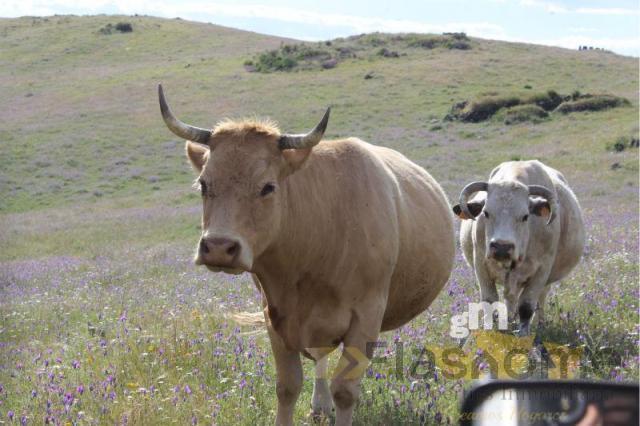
point(475, 207)
point(197, 155)
point(539, 207)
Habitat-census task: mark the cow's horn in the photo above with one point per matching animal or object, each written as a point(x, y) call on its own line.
point(466, 193)
point(192, 133)
point(308, 140)
point(549, 196)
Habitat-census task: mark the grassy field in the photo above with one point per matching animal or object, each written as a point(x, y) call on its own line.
point(103, 318)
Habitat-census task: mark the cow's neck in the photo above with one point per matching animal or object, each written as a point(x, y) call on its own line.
point(309, 243)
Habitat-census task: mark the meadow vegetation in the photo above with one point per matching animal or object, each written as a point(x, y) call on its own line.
point(325, 55)
point(103, 317)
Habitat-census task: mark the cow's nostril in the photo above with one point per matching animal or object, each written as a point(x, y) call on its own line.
point(233, 249)
point(203, 246)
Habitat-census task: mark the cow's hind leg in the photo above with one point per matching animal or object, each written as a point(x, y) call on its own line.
point(289, 378)
point(321, 402)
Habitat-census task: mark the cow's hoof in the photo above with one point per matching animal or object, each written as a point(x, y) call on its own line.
point(319, 418)
point(524, 330)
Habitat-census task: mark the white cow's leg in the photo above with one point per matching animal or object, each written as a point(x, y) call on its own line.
point(511, 290)
point(530, 297)
point(321, 402)
point(539, 317)
point(289, 378)
point(487, 285)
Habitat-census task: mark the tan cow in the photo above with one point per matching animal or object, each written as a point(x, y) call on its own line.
point(346, 240)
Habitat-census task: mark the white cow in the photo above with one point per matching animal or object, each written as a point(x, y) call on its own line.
point(528, 234)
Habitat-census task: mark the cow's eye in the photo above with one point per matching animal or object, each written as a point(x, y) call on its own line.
point(486, 214)
point(203, 187)
point(525, 217)
point(267, 189)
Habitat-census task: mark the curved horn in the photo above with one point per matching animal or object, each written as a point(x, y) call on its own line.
point(308, 140)
point(466, 192)
point(549, 196)
point(192, 133)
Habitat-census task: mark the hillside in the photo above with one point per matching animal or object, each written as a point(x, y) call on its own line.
point(80, 110)
point(98, 219)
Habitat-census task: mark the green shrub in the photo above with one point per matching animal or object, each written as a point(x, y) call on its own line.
point(123, 27)
point(447, 40)
point(592, 103)
point(622, 143)
point(522, 113)
point(481, 109)
point(273, 60)
point(547, 101)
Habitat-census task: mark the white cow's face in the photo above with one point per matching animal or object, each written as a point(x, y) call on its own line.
point(506, 220)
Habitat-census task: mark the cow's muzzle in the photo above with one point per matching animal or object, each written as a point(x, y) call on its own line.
point(221, 254)
point(501, 250)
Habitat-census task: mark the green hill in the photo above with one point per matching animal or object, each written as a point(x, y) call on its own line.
point(80, 115)
point(98, 220)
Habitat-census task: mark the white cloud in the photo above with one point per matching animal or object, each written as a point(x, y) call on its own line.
point(559, 8)
point(339, 24)
point(199, 10)
point(607, 11)
point(546, 5)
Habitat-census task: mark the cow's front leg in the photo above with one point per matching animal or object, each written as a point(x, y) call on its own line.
point(359, 343)
point(530, 298)
point(289, 378)
point(511, 291)
point(487, 285)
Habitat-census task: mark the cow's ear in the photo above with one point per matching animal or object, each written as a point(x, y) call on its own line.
point(475, 207)
point(197, 155)
point(539, 207)
point(295, 158)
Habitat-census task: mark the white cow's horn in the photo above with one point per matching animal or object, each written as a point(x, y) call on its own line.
point(466, 193)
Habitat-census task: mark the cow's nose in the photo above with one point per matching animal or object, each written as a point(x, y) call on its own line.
point(219, 251)
point(501, 249)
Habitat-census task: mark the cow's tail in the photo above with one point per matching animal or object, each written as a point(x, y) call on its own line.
point(253, 319)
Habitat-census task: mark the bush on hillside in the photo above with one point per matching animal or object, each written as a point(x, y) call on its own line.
point(481, 109)
point(522, 113)
point(290, 56)
point(122, 27)
point(622, 143)
point(329, 54)
point(447, 40)
point(592, 103)
point(547, 101)
point(487, 106)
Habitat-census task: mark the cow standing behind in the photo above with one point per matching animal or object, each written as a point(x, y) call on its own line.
point(346, 239)
point(528, 234)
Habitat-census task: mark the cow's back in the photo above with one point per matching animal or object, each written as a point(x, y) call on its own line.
point(426, 240)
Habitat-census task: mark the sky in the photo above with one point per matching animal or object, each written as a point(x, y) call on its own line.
point(612, 24)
